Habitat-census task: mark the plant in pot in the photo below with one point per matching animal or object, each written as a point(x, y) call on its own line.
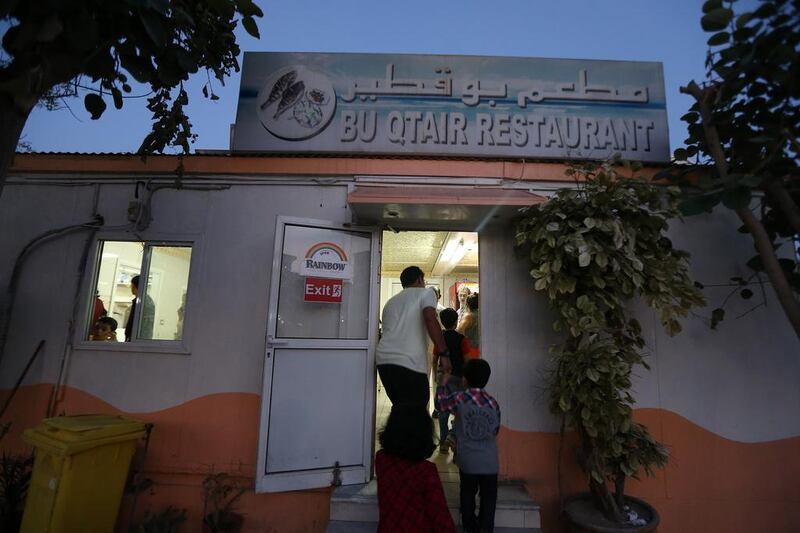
point(595, 250)
point(15, 479)
point(220, 494)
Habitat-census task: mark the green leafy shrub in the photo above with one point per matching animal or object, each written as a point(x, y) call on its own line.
point(594, 250)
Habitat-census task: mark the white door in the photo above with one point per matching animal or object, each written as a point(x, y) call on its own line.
point(318, 398)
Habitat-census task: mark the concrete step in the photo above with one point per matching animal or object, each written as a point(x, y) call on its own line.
point(354, 508)
point(339, 526)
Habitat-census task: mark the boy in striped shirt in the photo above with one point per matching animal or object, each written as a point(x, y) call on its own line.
point(477, 421)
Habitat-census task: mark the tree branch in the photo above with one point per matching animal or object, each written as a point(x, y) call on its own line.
point(791, 306)
point(776, 189)
point(772, 267)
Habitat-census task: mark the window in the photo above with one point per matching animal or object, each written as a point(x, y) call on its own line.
point(302, 318)
point(139, 292)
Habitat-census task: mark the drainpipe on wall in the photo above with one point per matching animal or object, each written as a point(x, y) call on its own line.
point(56, 392)
point(11, 291)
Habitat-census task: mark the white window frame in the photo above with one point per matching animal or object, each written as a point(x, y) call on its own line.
point(138, 345)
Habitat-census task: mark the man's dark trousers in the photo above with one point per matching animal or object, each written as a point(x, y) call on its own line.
point(404, 386)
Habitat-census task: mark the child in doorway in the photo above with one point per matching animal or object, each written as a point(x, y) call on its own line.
point(410, 494)
point(477, 423)
point(457, 345)
point(105, 329)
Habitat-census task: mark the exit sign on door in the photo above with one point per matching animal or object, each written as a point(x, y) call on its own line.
point(322, 290)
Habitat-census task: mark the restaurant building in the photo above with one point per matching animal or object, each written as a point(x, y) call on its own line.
point(263, 270)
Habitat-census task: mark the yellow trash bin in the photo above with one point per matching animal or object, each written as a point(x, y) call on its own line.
point(79, 473)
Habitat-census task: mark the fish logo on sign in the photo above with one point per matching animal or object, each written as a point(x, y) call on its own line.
point(327, 260)
point(296, 103)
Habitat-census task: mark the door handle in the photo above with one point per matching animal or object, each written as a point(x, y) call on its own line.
point(271, 341)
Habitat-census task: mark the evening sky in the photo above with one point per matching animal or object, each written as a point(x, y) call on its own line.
point(667, 31)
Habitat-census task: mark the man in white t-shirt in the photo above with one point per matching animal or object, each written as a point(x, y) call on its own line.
point(409, 319)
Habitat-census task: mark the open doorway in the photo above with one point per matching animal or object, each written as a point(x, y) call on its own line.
point(449, 260)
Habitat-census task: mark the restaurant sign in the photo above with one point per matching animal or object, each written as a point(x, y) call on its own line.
point(451, 106)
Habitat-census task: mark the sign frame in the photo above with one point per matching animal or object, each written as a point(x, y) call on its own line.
point(465, 106)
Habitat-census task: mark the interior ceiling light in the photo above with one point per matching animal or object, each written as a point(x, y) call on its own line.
point(456, 246)
point(458, 254)
point(450, 249)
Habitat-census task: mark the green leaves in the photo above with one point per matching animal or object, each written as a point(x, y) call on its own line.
point(50, 29)
point(592, 250)
point(159, 43)
point(250, 26)
point(94, 105)
point(719, 38)
point(154, 27)
point(749, 180)
point(742, 20)
point(716, 19)
point(717, 316)
point(749, 106)
point(736, 198)
point(117, 96)
point(249, 9)
point(696, 205)
point(711, 5)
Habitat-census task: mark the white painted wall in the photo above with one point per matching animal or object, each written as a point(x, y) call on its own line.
point(739, 381)
point(226, 309)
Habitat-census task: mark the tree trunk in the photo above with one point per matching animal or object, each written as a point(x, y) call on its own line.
point(12, 121)
point(619, 490)
point(602, 496)
point(606, 501)
point(784, 292)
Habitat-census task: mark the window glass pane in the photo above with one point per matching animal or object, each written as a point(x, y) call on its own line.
point(164, 299)
point(317, 304)
point(119, 262)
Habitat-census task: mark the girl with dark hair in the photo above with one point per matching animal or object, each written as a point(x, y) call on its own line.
point(410, 494)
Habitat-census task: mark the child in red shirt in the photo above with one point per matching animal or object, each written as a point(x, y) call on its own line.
point(410, 494)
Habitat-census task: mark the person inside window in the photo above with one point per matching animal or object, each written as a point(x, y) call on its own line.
point(98, 312)
point(147, 319)
point(105, 330)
